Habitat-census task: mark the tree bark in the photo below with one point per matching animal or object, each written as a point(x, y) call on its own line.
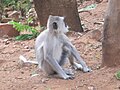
point(1, 10)
point(67, 8)
point(111, 41)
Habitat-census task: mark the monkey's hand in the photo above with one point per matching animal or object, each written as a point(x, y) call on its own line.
point(68, 71)
point(87, 69)
point(77, 66)
point(68, 77)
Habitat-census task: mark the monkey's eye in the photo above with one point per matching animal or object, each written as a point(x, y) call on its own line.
point(55, 26)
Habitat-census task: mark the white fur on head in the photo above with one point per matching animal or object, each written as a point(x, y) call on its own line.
point(60, 23)
point(62, 18)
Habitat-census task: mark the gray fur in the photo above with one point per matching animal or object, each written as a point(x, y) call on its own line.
point(53, 47)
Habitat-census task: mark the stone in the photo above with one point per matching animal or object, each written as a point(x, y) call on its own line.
point(7, 29)
point(96, 35)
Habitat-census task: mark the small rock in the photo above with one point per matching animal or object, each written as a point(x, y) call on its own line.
point(44, 80)
point(7, 29)
point(33, 75)
point(6, 41)
point(22, 72)
point(119, 87)
point(22, 44)
point(91, 88)
point(11, 85)
point(14, 46)
point(26, 47)
point(98, 1)
point(18, 77)
point(96, 35)
point(27, 50)
point(5, 36)
point(80, 34)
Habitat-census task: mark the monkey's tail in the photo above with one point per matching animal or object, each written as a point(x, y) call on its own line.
point(24, 60)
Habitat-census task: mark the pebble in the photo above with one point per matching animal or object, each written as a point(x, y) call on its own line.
point(96, 35)
point(6, 41)
point(26, 47)
point(44, 80)
point(91, 88)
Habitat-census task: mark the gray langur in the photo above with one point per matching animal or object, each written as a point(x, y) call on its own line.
point(53, 48)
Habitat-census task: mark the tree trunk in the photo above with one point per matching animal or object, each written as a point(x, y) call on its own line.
point(111, 41)
point(1, 10)
point(67, 8)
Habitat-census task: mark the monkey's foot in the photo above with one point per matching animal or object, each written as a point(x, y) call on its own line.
point(69, 77)
point(77, 66)
point(68, 71)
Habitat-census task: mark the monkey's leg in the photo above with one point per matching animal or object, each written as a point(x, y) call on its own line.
point(85, 68)
point(74, 53)
point(58, 69)
point(63, 58)
point(62, 62)
point(81, 64)
point(47, 68)
point(68, 54)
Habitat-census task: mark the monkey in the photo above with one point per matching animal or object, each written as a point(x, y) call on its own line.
point(53, 48)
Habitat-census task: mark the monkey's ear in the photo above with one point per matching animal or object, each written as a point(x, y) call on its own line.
point(55, 26)
point(50, 16)
point(62, 18)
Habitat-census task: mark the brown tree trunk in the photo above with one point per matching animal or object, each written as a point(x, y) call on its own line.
point(1, 10)
point(67, 8)
point(111, 41)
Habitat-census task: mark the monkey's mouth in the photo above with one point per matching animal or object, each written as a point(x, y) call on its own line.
point(57, 31)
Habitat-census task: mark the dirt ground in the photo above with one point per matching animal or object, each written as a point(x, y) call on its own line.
point(17, 76)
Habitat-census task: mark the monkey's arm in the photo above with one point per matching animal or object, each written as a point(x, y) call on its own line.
point(77, 56)
point(73, 51)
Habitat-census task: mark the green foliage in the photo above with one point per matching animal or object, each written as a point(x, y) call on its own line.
point(25, 37)
point(19, 5)
point(29, 20)
point(8, 2)
point(87, 8)
point(118, 75)
point(24, 5)
point(21, 27)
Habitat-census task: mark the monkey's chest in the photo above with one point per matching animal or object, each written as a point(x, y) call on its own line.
point(57, 52)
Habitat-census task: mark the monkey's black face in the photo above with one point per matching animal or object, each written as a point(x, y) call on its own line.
point(55, 26)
